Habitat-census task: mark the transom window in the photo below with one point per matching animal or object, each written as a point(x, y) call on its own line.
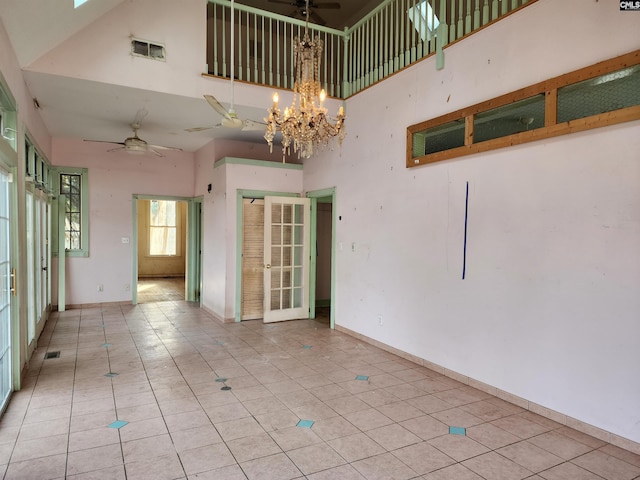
point(603, 94)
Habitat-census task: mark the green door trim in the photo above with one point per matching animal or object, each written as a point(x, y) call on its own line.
point(193, 276)
point(240, 195)
point(314, 196)
point(190, 285)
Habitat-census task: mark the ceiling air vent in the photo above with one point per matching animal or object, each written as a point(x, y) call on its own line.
point(142, 48)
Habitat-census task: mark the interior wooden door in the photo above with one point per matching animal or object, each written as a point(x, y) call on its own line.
point(252, 299)
point(286, 258)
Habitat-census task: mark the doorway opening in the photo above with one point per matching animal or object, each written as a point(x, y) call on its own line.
point(323, 262)
point(324, 243)
point(167, 240)
point(162, 250)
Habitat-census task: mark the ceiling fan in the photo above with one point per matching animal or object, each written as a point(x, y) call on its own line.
point(229, 117)
point(135, 144)
point(302, 7)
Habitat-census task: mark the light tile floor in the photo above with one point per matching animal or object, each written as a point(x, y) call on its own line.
point(159, 367)
point(160, 289)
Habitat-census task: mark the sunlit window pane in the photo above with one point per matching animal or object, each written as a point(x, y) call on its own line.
point(162, 227)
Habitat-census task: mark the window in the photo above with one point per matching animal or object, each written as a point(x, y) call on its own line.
point(73, 184)
point(71, 187)
point(7, 116)
point(37, 169)
point(162, 228)
point(424, 20)
point(603, 94)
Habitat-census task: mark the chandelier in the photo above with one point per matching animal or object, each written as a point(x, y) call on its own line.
point(305, 123)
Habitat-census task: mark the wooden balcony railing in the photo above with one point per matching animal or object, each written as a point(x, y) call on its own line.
point(394, 35)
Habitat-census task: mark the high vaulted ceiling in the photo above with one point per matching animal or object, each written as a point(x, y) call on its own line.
point(76, 107)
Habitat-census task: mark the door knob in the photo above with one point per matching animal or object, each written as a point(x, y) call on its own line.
point(267, 266)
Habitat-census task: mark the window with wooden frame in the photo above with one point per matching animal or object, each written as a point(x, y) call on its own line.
point(163, 225)
point(603, 94)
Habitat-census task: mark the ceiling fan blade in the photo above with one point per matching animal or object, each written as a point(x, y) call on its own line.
point(117, 149)
point(162, 147)
point(217, 106)
point(251, 125)
point(106, 141)
point(283, 2)
point(156, 153)
point(332, 5)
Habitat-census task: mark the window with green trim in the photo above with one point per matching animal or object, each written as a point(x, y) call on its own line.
point(7, 116)
point(72, 183)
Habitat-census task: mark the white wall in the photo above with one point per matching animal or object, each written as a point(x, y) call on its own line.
point(549, 308)
point(101, 51)
point(114, 177)
point(220, 223)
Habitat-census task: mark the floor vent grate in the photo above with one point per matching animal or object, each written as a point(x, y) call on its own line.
point(49, 355)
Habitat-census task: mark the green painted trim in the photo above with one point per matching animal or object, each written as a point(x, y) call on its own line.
point(255, 163)
point(190, 281)
point(84, 205)
point(134, 249)
point(241, 194)
point(274, 16)
point(313, 258)
point(15, 303)
point(61, 255)
point(237, 313)
point(317, 194)
point(194, 246)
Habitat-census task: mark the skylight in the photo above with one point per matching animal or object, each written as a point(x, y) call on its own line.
point(77, 3)
point(424, 20)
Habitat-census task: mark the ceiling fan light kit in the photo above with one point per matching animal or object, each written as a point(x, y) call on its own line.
point(135, 145)
point(305, 123)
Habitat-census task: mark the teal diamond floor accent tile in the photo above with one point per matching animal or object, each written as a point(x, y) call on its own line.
point(362, 377)
point(306, 346)
point(117, 424)
point(111, 374)
point(219, 343)
point(106, 345)
point(457, 431)
point(221, 380)
point(305, 423)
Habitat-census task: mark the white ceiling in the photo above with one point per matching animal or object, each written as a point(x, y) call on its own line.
point(92, 110)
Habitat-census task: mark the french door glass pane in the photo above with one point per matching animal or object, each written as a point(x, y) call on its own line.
point(5, 294)
point(31, 284)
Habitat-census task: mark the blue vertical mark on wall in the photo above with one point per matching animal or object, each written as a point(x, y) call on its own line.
point(464, 248)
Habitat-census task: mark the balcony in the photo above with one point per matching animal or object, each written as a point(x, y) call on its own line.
point(391, 37)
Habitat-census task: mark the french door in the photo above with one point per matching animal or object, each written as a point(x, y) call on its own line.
point(286, 258)
point(7, 288)
point(38, 259)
